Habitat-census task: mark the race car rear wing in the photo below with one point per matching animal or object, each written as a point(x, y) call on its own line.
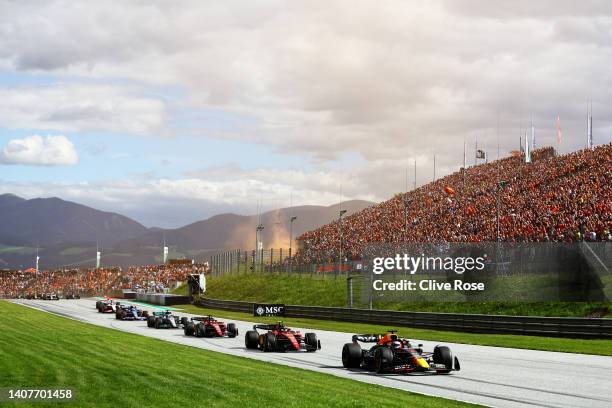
point(268, 326)
point(366, 338)
point(370, 338)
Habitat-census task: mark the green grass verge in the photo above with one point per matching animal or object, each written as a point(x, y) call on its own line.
point(109, 368)
point(582, 346)
point(330, 291)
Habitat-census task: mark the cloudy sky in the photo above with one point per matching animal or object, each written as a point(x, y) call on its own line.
point(171, 112)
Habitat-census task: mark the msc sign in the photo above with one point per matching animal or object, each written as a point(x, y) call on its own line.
point(260, 309)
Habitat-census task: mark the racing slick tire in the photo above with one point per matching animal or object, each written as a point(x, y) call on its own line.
point(443, 355)
point(145, 313)
point(157, 322)
point(119, 314)
point(269, 342)
point(189, 329)
point(232, 330)
point(197, 331)
point(383, 360)
point(184, 321)
point(351, 355)
point(311, 342)
point(150, 321)
point(251, 340)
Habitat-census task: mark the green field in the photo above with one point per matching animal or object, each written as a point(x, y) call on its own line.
point(582, 346)
point(330, 291)
point(109, 368)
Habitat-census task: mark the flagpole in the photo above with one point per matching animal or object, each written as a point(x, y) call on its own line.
point(415, 174)
point(498, 133)
point(464, 164)
point(434, 173)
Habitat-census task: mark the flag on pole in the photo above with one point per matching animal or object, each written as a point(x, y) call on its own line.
point(558, 130)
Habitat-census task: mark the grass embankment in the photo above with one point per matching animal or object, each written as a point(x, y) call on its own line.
point(330, 291)
point(582, 346)
point(108, 368)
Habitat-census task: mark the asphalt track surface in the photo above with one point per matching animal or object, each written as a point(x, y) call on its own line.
point(492, 376)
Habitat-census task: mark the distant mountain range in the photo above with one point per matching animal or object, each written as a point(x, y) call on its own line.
point(66, 233)
point(52, 221)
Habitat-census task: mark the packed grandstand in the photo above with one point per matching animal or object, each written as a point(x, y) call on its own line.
point(554, 198)
point(92, 281)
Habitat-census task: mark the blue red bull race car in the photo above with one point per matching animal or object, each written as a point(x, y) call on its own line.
point(394, 354)
point(278, 337)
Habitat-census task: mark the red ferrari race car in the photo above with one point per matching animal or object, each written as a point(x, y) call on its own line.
point(278, 337)
point(394, 354)
point(208, 326)
point(106, 305)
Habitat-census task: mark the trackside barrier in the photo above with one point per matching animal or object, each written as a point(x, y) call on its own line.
point(162, 299)
point(472, 323)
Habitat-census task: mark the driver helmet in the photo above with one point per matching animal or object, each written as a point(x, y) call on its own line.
point(396, 344)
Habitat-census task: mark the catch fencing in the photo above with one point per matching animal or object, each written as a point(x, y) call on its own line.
point(274, 260)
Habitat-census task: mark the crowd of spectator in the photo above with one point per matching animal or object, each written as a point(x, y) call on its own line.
point(554, 198)
point(151, 278)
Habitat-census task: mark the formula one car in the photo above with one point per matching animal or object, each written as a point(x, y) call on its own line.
point(107, 305)
point(393, 354)
point(50, 296)
point(130, 312)
point(72, 296)
point(163, 320)
point(208, 326)
point(278, 337)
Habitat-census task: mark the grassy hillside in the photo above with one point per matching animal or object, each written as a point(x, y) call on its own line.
point(330, 291)
point(109, 368)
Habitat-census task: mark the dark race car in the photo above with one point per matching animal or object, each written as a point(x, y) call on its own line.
point(50, 296)
point(72, 296)
point(163, 320)
point(393, 354)
point(106, 305)
point(278, 337)
point(130, 312)
point(208, 326)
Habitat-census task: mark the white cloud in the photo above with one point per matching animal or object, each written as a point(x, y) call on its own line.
point(80, 108)
point(175, 202)
point(40, 151)
point(380, 81)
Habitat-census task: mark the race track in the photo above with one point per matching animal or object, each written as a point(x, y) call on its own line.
point(493, 376)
